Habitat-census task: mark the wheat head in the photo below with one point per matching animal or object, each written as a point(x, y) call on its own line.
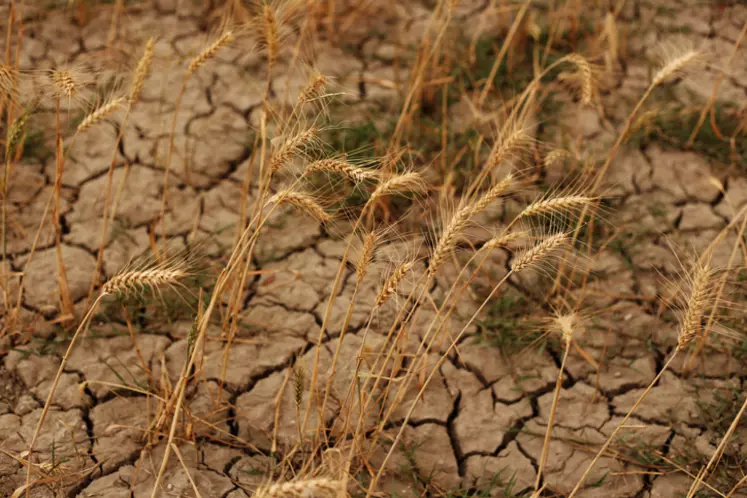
point(210, 52)
point(539, 252)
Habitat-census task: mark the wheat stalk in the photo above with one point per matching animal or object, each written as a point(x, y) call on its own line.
point(304, 202)
point(210, 52)
point(101, 113)
point(141, 72)
point(697, 304)
point(344, 168)
point(308, 488)
point(392, 282)
point(540, 251)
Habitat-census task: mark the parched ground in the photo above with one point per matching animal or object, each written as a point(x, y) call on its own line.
point(480, 425)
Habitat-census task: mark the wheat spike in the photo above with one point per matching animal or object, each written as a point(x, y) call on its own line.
point(312, 90)
point(448, 239)
point(8, 81)
point(304, 202)
point(210, 52)
point(586, 76)
point(139, 280)
point(503, 240)
point(496, 191)
point(392, 282)
point(64, 83)
point(675, 65)
point(15, 133)
point(366, 256)
point(540, 251)
point(270, 28)
point(557, 204)
point(406, 182)
point(307, 488)
point(344, 168)
point(554, 156)
point(101, 113)
point(141, 72)
point(514, 138)
point(299, 383)
point(698, 302)
point(295, 145)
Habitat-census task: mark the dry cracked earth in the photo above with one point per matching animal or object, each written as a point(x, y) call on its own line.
point(480, 424)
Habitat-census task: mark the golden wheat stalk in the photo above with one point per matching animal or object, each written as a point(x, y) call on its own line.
point(141, 71)
point(354, 173)
point(210, 52)
point(536, 254)
point(304, 203)
point(305, 488)
point(392, 282)
point(295, 145)
point(101, 113)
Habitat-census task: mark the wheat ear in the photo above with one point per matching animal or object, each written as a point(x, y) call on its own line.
point(64, 83)
point(312, 90)
point(303, 202)
point(392, 282)
point(406, 182)
point(307, 488)
point(210, 52)
point(141, 72)
point(675, 65)
point(587, 81)
point(139, 280)
point(100, 114)
point(352, 172)
point(448, 239)
point(292, 147)
point(700, 297)
point(539, 252)
point(493, 193)
point(558, 204)
point(366, 256)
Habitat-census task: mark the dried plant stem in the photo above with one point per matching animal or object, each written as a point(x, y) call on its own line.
point(67, 303)
point(551, 420)
point(719, 451)
point(622, 424)
point(53, 388)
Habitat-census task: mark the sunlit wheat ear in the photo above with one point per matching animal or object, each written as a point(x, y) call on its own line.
point(500, 189)
point(141, 72)
point(557, 205)
point(210, 52)
point(303, 202)
point(586, 77)
point(392, 282)
point(566, 325)
point(449, 237)
point(65, 84)
point(15, 132)
point(675, 64)
point(138, 281)
point(366, 256)
point(350, 171)
point(406, 182)
point(313, 90)
point(513, 139)
point(504, 240)
point(298, 144)
point(699, 301)
point(304, 488)
point(101, 113)
point(539, 253)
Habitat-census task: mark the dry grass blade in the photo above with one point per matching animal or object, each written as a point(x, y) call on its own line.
point(304, 203)
point(100, 114)
point(210, 52)
point(305, 488)
point(539, 252)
